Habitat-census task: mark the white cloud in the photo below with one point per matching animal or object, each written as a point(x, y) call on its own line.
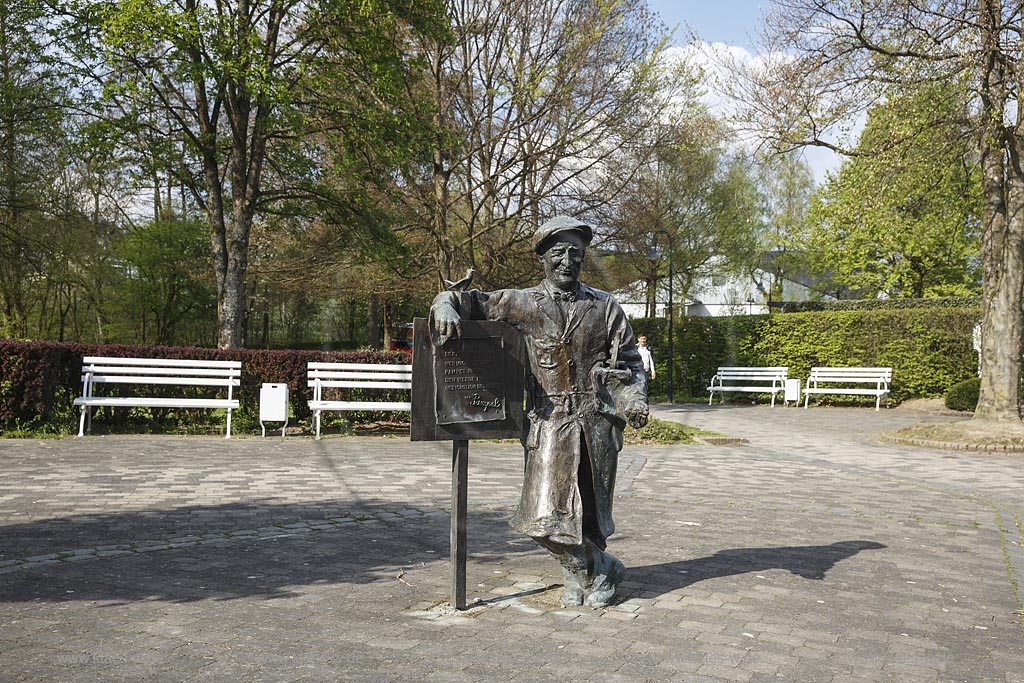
point(711, 57)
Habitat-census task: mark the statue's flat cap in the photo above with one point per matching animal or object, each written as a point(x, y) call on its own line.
point(558, 224)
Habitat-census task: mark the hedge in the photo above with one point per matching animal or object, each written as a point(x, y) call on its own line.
point(40, 380)
point(879, 304)
point(928, 349)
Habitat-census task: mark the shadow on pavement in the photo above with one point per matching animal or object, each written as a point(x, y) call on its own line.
point(809, 562)
point(55, 534)
point(369, 550)
point(377, 544)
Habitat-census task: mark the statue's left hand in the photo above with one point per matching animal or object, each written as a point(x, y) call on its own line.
point(447, 323)
point(637, 415)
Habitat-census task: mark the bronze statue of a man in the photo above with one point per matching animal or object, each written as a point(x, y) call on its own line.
point(586, 381)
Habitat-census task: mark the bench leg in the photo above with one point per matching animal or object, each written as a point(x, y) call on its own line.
point(711, 397)
point(227, 434)
point(878, 400)
point(773, 399)
point(807, 398)
point(81, 423)
point(316, 419)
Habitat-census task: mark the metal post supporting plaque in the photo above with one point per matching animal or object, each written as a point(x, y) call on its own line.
point(470, 388)
point(460, 473)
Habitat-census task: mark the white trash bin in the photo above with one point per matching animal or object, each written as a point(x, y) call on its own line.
point(792, 391)
point(274, 405)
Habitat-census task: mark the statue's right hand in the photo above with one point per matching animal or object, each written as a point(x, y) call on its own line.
point(447, 324)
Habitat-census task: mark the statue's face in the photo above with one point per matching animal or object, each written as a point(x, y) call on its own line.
point(563, 259)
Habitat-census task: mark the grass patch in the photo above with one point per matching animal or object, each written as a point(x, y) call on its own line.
point(665, 432)
point(973, 432)
point(32, 431)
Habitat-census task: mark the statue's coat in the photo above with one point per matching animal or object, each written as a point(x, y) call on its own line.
point(566, 342)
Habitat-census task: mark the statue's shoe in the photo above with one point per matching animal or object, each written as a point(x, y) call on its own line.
point(572, 597)
point(604, 586)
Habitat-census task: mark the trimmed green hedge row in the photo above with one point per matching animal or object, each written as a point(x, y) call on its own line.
point(928, 349)
point(40, 380)
point(880, 304)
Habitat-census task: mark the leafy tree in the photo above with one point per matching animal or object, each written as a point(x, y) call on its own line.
point(787, 187)
point(315, 286)
point(827, 62)
point(262, 96)
point(32, 98)
point(168, 284)
point(533, 105)
point(904, 222)
point(52, 237)
point(698, 192)
point(72, 270)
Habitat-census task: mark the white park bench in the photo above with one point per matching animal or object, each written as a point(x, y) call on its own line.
point(763, 380)
point(160, 372)
point(867, 381)
point(356, 376)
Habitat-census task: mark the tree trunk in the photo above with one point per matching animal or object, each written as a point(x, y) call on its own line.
point(387, 326)
point(373, 322)
point(440, 175)
point(232, 293)
point(230, 226)
point(439, 220)
point(1003, 228)
point(352, 321)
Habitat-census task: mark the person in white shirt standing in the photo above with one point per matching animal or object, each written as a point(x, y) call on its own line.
point(646, 356)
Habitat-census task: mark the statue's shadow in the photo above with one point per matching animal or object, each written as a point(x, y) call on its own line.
point(808, 562)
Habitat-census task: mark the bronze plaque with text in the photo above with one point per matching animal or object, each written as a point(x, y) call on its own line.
point(470, 388)
point(470, 378)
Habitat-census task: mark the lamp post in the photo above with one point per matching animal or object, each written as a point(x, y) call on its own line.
point(668, 313)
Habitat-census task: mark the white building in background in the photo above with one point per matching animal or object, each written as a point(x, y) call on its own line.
point(715, 295)
point(741, 293)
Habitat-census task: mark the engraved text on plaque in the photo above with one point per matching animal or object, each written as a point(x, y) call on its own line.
point(471, 386)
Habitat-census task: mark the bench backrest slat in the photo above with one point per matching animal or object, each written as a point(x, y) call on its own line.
point(726, 373)
point(829, 374)
point(161, 362)
point(192, 381)
point(376, 367)
point(740, 373)
point(363, 384)
point(113, 370)
point(331, 375)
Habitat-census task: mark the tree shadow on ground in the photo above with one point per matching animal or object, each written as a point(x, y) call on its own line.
point(378, 541)
point(808, 562)
point(54, 534)
point(375, 544)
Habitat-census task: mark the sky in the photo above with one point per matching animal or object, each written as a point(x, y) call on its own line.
point(717, 21)
point(736, 23)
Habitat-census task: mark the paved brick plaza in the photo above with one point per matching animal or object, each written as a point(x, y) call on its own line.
point(813, 553)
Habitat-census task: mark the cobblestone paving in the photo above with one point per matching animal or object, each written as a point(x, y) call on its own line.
point(813, 553)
